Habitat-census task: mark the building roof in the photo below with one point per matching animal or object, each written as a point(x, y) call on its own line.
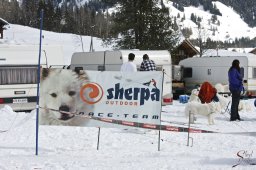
point(3, 22)
point(241, 50)
point(221, 53)
point(253, 51)
point(191, 50)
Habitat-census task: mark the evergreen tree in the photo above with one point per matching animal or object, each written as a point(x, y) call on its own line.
point(143, 25)
point(195, 3)
point(49, 15)
point(193, 17)
point(15, 12)
point(29, 12)
point(214, 18)
point(57, 20)
point(68, 20)
point(10, 11)
point(183, 18)
point(187, 32)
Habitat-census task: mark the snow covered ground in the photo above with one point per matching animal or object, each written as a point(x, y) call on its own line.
point(76, 147)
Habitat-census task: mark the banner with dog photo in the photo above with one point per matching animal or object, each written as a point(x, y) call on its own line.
point(94, 98)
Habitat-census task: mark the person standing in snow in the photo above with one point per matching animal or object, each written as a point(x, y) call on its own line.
point(147, 64)
point(236, 87)
point(129, 66)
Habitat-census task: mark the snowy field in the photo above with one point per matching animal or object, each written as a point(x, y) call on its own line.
point(76, 147)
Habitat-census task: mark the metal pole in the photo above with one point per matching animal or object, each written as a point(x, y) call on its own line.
point(188, 128)
point(38, 78)
point(159, 133)
point(91, 45)
point(81, 39)
point(98, 139)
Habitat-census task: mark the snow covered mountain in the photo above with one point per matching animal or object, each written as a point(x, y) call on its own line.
point(226, 27)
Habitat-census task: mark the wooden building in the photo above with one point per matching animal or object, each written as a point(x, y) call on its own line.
point(2, 24)
point(253, 51)
point(182, 51)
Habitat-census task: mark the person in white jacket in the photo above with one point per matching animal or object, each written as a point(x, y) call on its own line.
point(129, 66)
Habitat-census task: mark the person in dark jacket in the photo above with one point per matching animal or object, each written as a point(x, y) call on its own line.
point(147, 64)
point(236, 87)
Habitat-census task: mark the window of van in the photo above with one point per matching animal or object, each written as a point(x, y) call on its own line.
point(101, 68)
point(77, 69)
point(159, 68)
point(18, 75)
point(254, 72)
point(187, 72)
point(242, 71)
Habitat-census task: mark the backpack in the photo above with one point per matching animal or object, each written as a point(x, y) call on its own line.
point(207, 93)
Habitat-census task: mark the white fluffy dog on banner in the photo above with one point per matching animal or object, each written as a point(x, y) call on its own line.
point(196, 108)
point(60, 98)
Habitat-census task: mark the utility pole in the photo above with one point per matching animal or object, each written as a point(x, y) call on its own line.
point(91, 44)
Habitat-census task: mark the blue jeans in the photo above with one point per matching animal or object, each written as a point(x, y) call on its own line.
point(235, 103)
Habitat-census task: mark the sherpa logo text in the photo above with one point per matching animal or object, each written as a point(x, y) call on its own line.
point(141, 94)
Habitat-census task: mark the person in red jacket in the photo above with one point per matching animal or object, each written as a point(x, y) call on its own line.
point(207, 93)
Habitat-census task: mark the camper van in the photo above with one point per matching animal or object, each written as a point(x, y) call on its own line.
point(112, 61)
point(18, 73)
point(197, 70)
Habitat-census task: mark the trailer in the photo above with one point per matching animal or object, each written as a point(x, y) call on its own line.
point(18, 73)
point(112, 61)
point(214, 69)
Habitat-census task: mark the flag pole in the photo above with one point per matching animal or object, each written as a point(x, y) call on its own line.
point(159, 132)
point(38, 78)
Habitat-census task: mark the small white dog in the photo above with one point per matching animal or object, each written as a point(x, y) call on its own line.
point(60, 98)
point(222, 88)
point(225, 103)
point(195, 108)
point(244, 106)
point(194, 96)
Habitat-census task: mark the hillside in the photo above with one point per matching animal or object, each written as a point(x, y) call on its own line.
point(246, 9)
point(225, 28)
point(223, 20)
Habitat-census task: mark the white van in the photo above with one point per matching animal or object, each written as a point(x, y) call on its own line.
point(112, 61)
point(18, 73)
point(197, 70)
